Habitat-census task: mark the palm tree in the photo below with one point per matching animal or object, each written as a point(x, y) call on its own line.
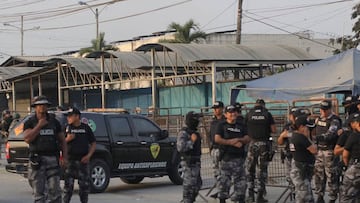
point(187, 33)
point(98, 44)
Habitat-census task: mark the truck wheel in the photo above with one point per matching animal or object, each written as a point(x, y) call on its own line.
point(99, 176)
point(176, 172)
point(132, 180)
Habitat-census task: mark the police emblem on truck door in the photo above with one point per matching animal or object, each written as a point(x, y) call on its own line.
point(155, 150)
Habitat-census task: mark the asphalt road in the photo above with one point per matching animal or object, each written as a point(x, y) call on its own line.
point(15, 189)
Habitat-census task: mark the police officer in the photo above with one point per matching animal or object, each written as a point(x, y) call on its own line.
point(350, 190)
point(189, 146)
point(232, 138)
point(240, 117)
point(81, 145)
point(284, 139)
point(303, 151)
point(218, 108)
point(326, 163)
point(349, 104)
point(44, 135)
point(5, 122)
point(260, 124)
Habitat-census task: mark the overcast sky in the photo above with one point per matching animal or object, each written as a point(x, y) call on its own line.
point(75, 27)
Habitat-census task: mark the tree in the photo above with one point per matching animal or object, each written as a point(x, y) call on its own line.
point(98, 44)
point(187, 33)
point(348, 42)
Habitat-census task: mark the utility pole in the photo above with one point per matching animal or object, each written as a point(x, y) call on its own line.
point(238, 33)
point(239, 18)
point(22, 35)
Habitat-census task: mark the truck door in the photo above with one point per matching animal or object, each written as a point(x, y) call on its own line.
point(124, 145)
point(156, 152)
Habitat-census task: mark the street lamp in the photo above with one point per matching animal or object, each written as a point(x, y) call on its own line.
point(96, 13)
point(21, 28)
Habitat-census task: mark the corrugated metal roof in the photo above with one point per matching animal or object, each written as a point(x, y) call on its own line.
point(133, 59)
point(8, 73)
point(92, 65)
point(232, 52)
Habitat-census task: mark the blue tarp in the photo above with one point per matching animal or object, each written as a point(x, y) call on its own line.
point(338, 73)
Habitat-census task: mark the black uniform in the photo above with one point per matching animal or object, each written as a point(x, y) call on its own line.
point(78, 148)
point(213, 126)
point(258, 122)
point(302, 167)
point(232, 162)
point(350, 190)
point(44, 160)
point(190, 157)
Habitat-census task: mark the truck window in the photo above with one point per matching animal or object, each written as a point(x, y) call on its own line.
point(120, 127)
point(145, 127)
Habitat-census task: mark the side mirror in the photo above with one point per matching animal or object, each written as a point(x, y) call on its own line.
point(164, 134)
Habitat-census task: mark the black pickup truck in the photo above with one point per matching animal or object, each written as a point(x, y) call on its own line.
point(131, 147)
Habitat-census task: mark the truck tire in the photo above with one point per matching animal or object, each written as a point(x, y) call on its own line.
point(132, 180)
point(176, 172)
point(99, 176)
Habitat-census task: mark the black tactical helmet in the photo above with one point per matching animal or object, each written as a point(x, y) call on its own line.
point(192, 120)
point(40, 100)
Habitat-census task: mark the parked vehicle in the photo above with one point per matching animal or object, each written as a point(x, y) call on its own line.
point(130, 147)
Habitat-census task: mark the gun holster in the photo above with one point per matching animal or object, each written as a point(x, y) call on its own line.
point(35, 161)
point(306, 170)
point(282, 156)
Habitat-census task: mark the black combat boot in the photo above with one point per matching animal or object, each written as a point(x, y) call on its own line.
point(215, 195)
point(260, 198)
point(320, 199)
point(251, 197)
point(222, 200)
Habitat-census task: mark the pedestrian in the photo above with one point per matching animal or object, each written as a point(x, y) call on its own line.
point(350, 189)
point(218, 117)
point(189, 146)
point(45, 137)
point(260, 124)
point(81, 145)
point(231, 137)
point(326, 164)
point(303, 151)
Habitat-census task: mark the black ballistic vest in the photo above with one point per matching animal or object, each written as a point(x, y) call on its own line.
point(258, 124)
point(195, 153)
point(322, 127)
point(46, 142)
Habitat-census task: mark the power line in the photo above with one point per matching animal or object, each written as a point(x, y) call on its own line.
point(118, 18)
point(263, 10)
point(278, 28)
point(222, 12)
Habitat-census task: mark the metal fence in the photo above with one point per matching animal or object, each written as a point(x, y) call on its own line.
point(279, 110)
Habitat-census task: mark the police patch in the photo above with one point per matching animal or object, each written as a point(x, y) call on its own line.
point(155, 150)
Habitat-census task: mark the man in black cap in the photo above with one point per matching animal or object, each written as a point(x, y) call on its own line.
point(260, 124)
point(45, 137)
point(350, 189)
point(303, 151)
point(285, 136)
point(189, 146)
point(326, 164)
point(81, 144)
point(232, 137)
point(218, 117)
